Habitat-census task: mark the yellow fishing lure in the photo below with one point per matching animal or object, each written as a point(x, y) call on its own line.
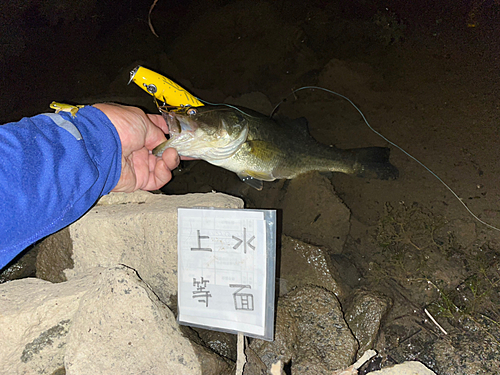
point(162, 88)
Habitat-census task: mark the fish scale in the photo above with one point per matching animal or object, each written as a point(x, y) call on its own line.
point(258, 148)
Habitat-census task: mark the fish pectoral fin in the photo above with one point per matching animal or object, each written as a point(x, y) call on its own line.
point(251, 181)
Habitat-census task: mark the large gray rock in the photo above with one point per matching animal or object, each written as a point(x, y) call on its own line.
point(318, 217)
point(303, 264)
point(138, 230)
point(310, 333)
point(106, 322)
point(364, 313)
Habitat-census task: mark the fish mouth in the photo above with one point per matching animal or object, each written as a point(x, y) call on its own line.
point(198, 140)
point(180, 135)
point(176, 124)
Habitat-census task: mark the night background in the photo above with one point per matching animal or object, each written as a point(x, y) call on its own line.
point(425, 73)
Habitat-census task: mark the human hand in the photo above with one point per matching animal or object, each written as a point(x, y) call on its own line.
point(139, 134)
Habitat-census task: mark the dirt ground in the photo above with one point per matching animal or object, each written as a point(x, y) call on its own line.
point(422, 77)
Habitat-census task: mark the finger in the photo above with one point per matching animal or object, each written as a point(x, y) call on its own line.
point(161, 175)
point(159, 171)
point(159, 121)
point(152, 160)
point(171, 158)
point(154, 135)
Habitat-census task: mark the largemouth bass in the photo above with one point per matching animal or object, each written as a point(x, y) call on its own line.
point(258, 148)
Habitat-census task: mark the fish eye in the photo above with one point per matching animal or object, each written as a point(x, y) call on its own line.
point(191, 111)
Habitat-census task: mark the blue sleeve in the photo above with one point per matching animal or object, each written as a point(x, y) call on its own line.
point(53, 168)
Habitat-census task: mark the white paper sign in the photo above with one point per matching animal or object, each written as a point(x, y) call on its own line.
point(226, 261)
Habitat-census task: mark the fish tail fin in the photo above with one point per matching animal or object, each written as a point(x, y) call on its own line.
point(373, 162)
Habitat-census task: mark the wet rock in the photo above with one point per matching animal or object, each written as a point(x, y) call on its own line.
point(349, 78)
point(364, 313)
point(474, 351)
point(347, 271)
point(138, 230)
point(21, 267)
point(471, 346)
point(318, 217)
point(221, 343)
point(403, 337)
point(311, 334)
point(106, 322)
point(406, 368)
point(253, 365)
point(302, 264)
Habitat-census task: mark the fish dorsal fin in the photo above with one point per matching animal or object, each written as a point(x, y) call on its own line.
point(299, 125)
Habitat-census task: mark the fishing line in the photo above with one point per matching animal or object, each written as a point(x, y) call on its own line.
point(168, 108)
point(393, 144)
point(227, 105)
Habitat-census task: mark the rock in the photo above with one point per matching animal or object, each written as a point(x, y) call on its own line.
point(253, 365)
point(350, 78)
point(138, 230)
point(471, 346)
point(405, 368)
point(318, 217)
point(106, 322)
point(222, 343)
point(22, 266)
point(474, 350)
point(403, 336)
point(364, 314)
point(346, 75)
point(302, 264)
point(54, 256)
point(311, 334)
